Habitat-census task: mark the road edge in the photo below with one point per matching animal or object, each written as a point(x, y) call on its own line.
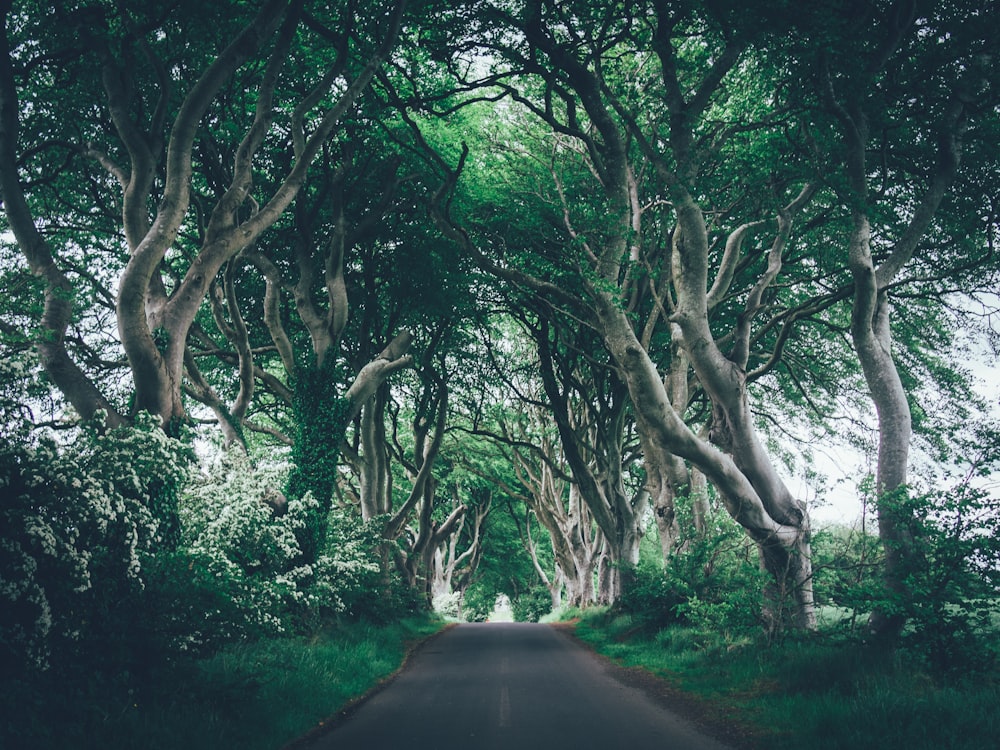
point(334, 720)
point(702, 712)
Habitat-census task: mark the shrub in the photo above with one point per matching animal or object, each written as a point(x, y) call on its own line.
point(654, 596)
point(478, 602)
point(448, 605)
point(255, 555)
point(950, 589)
point(532, 605)
point(712, 581)
point(953, 580)
point(846, 563)
point(78, 528)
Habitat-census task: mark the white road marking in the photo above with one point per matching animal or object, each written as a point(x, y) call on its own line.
point(504, 707)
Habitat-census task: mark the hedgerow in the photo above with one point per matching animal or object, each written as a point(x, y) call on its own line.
point(116, 554)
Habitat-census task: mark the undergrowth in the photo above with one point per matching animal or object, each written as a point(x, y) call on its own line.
point(819, 691)
point(256, 695)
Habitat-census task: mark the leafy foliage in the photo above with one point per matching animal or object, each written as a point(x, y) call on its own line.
point(107, 556)
point(949, 596)
point(712, 584)
point(81, 527)
point(846, 561)
point(953, 587)
point(320, 423)
point(532, 605)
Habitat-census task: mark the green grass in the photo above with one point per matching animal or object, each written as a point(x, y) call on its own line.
point(252, 696)
point(822, 692)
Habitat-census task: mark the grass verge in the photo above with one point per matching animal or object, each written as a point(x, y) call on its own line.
point(822, 692)
point(254, 696)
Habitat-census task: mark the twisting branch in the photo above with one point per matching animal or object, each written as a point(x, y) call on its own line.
point(57, 312)
point(740, 353)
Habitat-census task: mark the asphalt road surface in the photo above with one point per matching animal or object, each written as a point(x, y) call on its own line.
point(514, 686)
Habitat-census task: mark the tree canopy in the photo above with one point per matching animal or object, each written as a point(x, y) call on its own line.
point(480, 297)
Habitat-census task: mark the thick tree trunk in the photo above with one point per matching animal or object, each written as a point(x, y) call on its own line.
point(606, 589)
point(776, 521)
point(322, 417)
point(574, 541)
point(669, 478)
point(681, 483)
point(556, 591)
point(873, 343)
point(870, 314)
point(375, 478)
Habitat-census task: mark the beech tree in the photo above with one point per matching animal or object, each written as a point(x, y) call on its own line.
point(456, 557)
point(703, 216)
point(590, 408)
point(686, 202)
point(553, 497)
point(562, 65)
point(904, 92)
point(334, 371)
point(137, 88)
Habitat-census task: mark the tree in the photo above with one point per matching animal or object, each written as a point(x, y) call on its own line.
point(131, 124)
point(553, 497)
point(454, 568)
point(869, 84)
point(570, 68)
point(591, 412)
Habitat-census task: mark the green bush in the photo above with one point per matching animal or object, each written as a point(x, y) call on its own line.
point(654, 596)
point(110, 556)
point(818, 690)
point(532, 605)
point(951, 575)
point(846, 564)
point(478, 602)
point(712, 582)
point(118, 568)
point(953, 580)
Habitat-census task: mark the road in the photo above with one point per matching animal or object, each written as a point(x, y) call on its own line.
point(515, 686)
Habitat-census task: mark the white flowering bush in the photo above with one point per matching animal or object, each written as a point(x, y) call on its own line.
point(347, 576)
point(78, 524)
point(116, 556)
point(255, 553)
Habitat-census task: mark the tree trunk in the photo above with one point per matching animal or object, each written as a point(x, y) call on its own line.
point(873, 343)
point(870, 313)
point(606, 592)
point(57, 312)
point(374, 475)
point(775, 520)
